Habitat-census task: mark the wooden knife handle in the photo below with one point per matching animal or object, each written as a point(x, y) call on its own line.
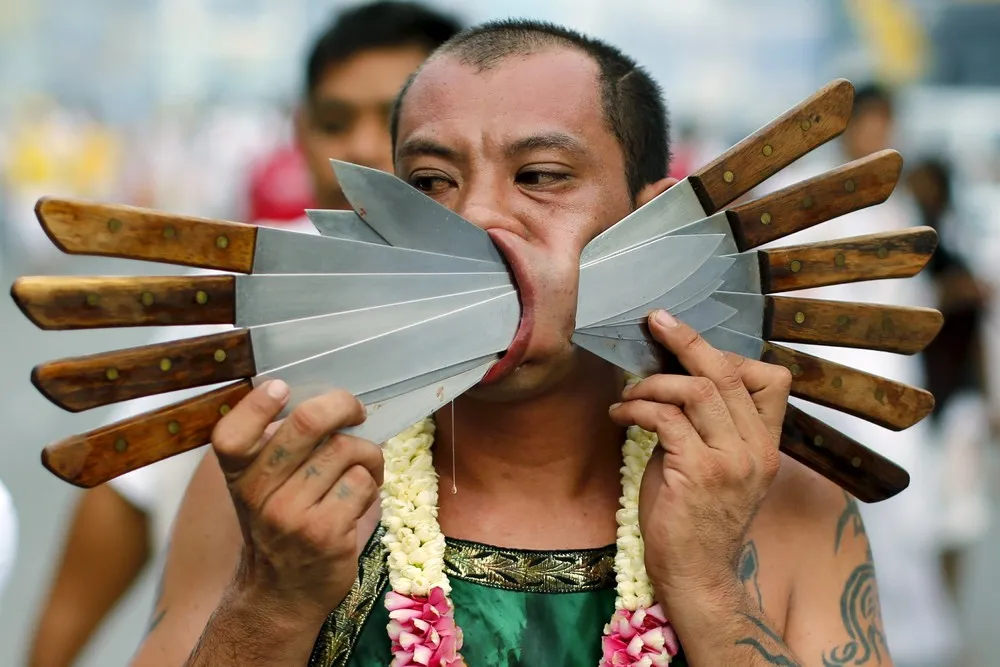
point(869, 257)
point(854, 186)
point(864, 474)
point(69, 302)
point(899, 329)
point(86, 228)
point(97, 456)
point(82, 383)
point(811, 123)
point(879, 400)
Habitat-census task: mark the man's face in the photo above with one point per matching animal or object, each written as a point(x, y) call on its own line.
point(523, 151)
point(871, 130)
point(347, 116)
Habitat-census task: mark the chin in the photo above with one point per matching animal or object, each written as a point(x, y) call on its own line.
point(529, 379)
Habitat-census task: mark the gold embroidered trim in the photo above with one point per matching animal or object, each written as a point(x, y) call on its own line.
point(343, 627)
point(530, 571)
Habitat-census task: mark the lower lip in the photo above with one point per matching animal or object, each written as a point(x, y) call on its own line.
point(515, 353)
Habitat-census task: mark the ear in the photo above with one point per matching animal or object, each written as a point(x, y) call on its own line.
point(653, 190)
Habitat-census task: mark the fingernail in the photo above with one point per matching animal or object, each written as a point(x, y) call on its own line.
point(627, 390)
point(277, 389)
point(665, 319)
point(614, 407)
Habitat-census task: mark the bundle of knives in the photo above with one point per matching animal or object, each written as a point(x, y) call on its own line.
point(384, 301)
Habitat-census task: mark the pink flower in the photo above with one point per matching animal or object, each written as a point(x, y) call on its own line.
point(423, 630)
point(640, 638)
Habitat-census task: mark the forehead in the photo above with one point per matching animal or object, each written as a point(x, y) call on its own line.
point(553, 90)
point(370, 76)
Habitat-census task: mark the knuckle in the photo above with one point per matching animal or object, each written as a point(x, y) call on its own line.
point(770, 462)
point(703, 389)
point(713, 471)
point(308, 418)
point(745, 464)
point(669, 413)
point(782, 378)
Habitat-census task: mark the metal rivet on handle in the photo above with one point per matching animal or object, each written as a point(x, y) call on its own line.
point(147, 299)
point(201, 297)
point(121, 445)
point(818, 441)
point(856, 462)
point(165, 364)
point(800, 317)
point(224, 409)
point(795, 266)
point(807, 202)
point(843, 321)
point(796, 370)
point(850, 185)
point(882, 252)
point(805, 125)
point(169, 232)
point(220, 355)
point(880, 394)
point(93, 299)
point(837, 382)
point(840, 260)
point(114, 225)
point(111, 373)
point(728, 177)
point(222, 242)
point(767, 150)
point(173, 428)
point(765, 218)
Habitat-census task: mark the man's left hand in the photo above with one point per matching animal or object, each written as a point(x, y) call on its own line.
point(718, 431)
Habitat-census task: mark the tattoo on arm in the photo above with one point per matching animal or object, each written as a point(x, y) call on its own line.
point(748, 569)
point(851, 516)
point(862, 617)
point(777, 654)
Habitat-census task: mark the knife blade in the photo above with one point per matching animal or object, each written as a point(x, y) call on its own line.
point(65, 302)
point(85, 228)
point(702, 316)
point(809, 124)
point(882, 401)
point(82, 383)
point(406, 217)
point(343, 225)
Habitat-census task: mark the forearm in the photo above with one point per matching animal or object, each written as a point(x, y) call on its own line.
point(724, 626)
point(246, 632)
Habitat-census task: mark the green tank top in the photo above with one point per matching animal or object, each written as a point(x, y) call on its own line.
point(516, 608)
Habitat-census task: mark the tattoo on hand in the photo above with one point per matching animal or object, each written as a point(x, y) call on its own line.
point(748, 568)
point(311, 471)
point(156, 621)
point(851, 516)
point(278, 455)
point(343, 491)
point(777, 656)
point(862, 618)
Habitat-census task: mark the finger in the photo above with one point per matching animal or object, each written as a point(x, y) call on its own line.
point(305, 427)
point(325, 465)
point(237, 437)
point(769, 385)
point(700, 400)
point(350, 496)
point(701, 359)
point(677, 435)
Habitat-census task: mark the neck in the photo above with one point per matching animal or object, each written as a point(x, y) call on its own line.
point(556, 447)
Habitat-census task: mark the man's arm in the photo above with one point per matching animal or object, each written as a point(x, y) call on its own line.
point(107, 547)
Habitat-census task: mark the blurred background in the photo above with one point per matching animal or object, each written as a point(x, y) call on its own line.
point(184, 105)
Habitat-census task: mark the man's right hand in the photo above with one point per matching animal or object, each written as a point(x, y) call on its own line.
point(299, 489)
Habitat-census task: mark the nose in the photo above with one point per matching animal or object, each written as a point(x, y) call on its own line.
point(484, 203)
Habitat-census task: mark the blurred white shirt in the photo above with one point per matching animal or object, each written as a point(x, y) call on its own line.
point(8, 539)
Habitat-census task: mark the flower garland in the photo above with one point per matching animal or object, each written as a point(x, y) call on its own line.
point(422, 625)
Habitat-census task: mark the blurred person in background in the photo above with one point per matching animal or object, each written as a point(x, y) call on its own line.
point(956, 371)
point(921, 619)
point(353, 74)
point(8, 539)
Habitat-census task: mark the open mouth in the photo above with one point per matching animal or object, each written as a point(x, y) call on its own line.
point(515, 353)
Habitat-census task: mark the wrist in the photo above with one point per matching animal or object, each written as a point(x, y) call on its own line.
point(696, 606)
point(262, 606)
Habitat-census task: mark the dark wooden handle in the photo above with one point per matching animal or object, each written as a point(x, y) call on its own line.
point(811, 123)
point(82, 383)
point(864, 474)
point(98, 456)
point(854, 186)
point(870, 257)
point(70, 302)
point(879, 400)
point(86, 228)
point(899, 329)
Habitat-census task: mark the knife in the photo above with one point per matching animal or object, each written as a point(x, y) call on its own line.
point(343, 225)
point(811, 123)
point(392, 336)
point(84, 228)
point(882, 401)
point(76, 302)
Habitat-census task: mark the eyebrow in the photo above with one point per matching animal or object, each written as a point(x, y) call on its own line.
point(552, 140)
point(417, 147)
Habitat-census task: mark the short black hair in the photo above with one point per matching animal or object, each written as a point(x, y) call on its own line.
point(633, 102)
point(373, 25)
point(873, 95)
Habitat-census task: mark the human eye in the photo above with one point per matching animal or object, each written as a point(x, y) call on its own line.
point(430, 183)
point(539, 177)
